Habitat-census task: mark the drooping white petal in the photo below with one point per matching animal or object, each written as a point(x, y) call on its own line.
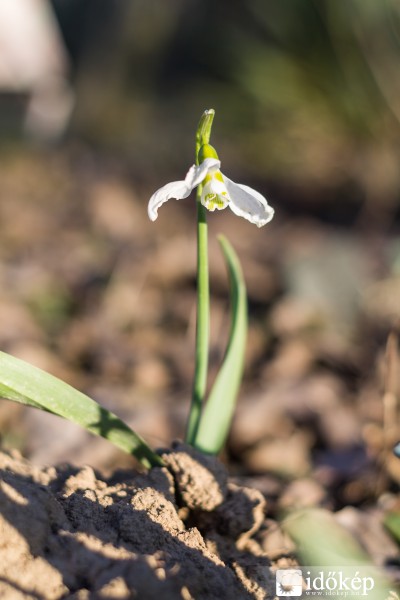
point(180, 189)
point(175, 189)
point(248, 203)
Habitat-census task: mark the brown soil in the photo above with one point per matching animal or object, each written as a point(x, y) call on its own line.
point(182, 531)
point(94, 293)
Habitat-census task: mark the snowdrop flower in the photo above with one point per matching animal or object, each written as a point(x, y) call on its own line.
point(217, 192)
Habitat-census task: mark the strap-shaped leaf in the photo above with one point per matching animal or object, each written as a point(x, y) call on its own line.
point(321, 540)
point(24, 383)
point(218, 412)
point(392, 523)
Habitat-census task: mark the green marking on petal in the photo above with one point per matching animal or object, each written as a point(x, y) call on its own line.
point(215, 201)
point(214, 194)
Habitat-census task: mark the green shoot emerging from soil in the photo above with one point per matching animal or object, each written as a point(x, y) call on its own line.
point(209, 421)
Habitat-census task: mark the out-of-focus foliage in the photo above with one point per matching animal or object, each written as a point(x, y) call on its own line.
point(306, 92)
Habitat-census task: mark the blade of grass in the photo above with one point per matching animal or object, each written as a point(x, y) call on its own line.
point(24, 383)
point(321, 541)
point(217, 414)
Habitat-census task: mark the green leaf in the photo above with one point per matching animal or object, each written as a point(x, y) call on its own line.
point(24, 383)
point(218, 412)
point(392, 523)
point(322, 542)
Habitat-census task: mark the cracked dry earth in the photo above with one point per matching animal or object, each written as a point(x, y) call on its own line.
point(179, 532)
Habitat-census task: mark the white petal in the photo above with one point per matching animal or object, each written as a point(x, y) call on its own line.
point(248, 203)
point(180, 189)
point(214, 195)
point(197, 174)
point(175, 189)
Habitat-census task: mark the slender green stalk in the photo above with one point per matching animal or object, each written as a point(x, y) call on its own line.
point(203, 293)
point(217, 414)
point(202, 324)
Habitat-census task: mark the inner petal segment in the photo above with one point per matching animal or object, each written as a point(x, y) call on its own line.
point(214, 195)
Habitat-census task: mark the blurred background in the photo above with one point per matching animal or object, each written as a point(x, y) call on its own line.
point(99, 102)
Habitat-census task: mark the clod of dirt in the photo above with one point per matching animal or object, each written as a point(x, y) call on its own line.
point(238, 517)
point(201, 480)
point(67, 533)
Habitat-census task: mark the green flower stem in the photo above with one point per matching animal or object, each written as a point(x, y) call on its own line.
point(202, 324)
point(217, 414)
point(203, 293)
